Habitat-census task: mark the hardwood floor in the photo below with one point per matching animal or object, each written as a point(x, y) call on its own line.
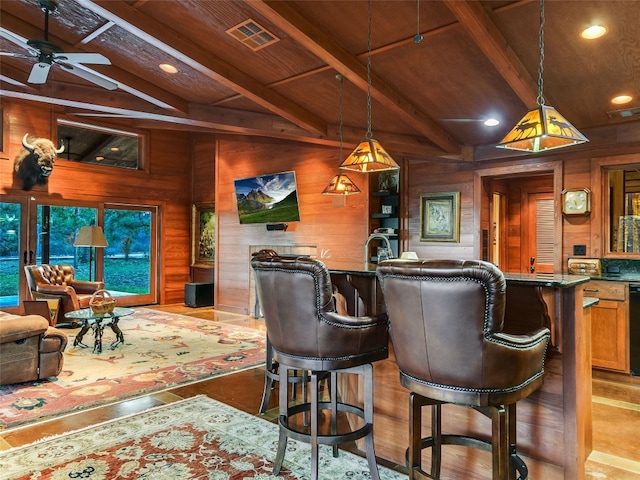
point(616, 408)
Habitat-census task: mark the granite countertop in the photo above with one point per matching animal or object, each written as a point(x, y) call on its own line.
point(535, 280)
point(555, 280)
point(349, 268)
point(621, 277)
point(589, 301)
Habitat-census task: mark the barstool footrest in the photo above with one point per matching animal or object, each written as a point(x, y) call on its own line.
point(328, 439)
point(472, 442)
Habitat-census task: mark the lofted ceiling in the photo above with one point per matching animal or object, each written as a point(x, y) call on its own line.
point(477, 59)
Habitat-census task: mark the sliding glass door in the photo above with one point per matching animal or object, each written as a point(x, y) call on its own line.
point(13, 232)
point(130, 258)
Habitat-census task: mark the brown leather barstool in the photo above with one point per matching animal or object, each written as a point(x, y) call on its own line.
point(272, 371)
point(446, 324)
point(306, 333)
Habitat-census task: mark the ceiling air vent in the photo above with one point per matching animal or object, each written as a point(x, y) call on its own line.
point(624, 113)
point(252, 35)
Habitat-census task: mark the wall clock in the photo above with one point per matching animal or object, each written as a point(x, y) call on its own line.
point(576, 202)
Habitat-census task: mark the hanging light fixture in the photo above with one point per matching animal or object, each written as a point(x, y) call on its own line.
point(369, 155)
point(341, 184)
point(542, 128)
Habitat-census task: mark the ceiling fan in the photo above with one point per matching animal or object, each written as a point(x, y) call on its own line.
point(48, 54)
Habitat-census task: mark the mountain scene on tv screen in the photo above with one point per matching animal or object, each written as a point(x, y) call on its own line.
point(268, 198)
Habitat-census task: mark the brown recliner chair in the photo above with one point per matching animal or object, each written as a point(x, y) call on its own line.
point(29, 348)
point(446, 323)
point(306, 333)
point(57, 281)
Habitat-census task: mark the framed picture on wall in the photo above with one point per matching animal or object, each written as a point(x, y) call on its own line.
point(203, 234)
point(440, 217)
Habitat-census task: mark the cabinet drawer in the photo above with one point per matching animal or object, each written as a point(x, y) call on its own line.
point(606, 290)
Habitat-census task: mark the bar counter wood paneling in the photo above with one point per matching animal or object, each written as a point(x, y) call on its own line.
point(553, 424)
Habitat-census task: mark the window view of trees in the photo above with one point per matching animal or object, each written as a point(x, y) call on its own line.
point(57, 229)
point(127, 262)
point(9, 251)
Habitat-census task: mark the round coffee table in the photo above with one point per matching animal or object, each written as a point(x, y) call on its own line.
point(97, 322)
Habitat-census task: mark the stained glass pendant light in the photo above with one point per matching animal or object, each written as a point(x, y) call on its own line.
point(369, 155)
point(542, 128)
point(341, 184)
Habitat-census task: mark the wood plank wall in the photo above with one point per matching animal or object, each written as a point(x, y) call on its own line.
point(164, 183)
point(337, 232)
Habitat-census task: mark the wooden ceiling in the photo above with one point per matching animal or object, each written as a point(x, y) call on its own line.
point(477, 59)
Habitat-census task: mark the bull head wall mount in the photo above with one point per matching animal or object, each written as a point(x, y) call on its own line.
point(34, 163)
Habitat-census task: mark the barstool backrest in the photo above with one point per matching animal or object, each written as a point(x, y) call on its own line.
point(446, 320)
point(296, 297)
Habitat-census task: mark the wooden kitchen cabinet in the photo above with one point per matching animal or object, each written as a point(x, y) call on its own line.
point(609, 325)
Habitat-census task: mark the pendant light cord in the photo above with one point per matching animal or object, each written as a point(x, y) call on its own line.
point(369, 134)
point(540, 99)
point(341, 78)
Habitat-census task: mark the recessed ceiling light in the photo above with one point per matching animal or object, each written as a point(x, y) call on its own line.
point(621, 99)
point(168, 68)
point(491, 122)
point(99, 158)
point(114, 149)
point(594, 31)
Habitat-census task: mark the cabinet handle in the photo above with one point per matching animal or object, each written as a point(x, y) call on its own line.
point(591, 290)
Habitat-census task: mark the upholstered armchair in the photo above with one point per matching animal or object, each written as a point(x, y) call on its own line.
point(29, 348)
point(57, 281)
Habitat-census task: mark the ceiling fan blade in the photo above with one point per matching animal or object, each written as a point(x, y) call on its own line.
point(16, 55)
point(94, 58)
point(91, 76)
point(39, 73)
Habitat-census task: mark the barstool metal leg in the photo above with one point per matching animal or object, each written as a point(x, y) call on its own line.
point(270, 374)
point(436, 434)
point(333, 389)
point(367, 371)
point(315, 408)
point(283, 418)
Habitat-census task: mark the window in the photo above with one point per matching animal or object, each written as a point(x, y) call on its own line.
point(98, 145)
point(624, 209)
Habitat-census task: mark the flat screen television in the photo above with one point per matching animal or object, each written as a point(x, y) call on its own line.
point(269, 198)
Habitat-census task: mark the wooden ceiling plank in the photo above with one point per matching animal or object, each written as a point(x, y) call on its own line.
point(126, 81)
point(171, 42)
point(485, 33)
point(286, 17)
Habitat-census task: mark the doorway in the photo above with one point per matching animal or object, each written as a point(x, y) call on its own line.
point(518, 214)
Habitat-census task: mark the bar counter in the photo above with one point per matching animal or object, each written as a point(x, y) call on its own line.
point(553, 424)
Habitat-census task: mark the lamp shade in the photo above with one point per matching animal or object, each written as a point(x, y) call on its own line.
point(90, 236)
point(542, 128)
point(369, 156)
point(341, 185)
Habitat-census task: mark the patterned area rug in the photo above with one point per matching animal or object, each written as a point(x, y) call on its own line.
point(161, 350)
point(198, 438)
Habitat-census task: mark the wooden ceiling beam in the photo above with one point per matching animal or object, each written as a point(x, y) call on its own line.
point(171, 42)
point(127, 81)
point(285, 16)
point(81, 102)
point(485, 33)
